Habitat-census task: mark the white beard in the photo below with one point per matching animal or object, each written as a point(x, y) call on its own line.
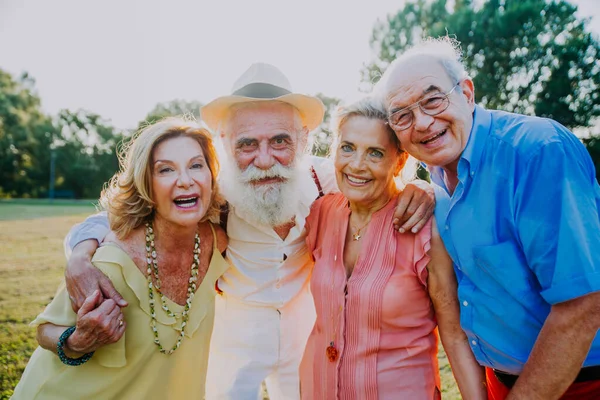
point(268, 204)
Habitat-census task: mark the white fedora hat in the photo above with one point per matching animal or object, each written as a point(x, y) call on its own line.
point(264, 82)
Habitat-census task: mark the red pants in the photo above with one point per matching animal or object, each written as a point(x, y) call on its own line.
point(577, 391)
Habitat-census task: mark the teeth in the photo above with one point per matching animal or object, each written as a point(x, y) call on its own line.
point(433, 138)
point(186, 202)
point(356, 180)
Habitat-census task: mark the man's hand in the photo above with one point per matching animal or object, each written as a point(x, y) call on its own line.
point(83, 278)
point(98, 323)
point(415, 207)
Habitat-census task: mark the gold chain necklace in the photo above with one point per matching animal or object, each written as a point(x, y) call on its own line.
point(152, 270)
point(356, 235)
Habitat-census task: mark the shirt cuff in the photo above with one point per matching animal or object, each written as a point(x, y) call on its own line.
point(94, 227)
point(572, 289)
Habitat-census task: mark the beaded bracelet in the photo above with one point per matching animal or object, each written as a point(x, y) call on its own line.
point(61, 353)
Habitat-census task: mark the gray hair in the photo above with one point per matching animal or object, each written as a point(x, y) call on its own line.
point(445, 50)
point(372, 108)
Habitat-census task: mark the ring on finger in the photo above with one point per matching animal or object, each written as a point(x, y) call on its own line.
point(120, 322)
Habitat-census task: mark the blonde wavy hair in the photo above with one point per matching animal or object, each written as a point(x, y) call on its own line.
point(127, 197)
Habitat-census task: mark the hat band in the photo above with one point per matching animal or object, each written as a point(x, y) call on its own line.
point(261, 91)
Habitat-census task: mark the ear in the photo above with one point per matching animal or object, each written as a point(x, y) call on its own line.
point(402, 157)
point(468, 90)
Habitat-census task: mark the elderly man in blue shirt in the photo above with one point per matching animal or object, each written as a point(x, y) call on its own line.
point(518, 209)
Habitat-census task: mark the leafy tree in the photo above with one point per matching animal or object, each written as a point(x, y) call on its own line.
point(25, 134)
point(593, 145)
point(525, 56)
point(321, 139)
point(171, 109)
point(86, 152)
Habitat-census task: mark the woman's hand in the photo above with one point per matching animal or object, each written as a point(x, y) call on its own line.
point(99, 322)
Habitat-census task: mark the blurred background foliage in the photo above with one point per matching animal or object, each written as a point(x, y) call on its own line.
point(528, 56)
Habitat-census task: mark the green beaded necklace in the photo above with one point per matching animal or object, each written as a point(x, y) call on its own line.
point(152, 270)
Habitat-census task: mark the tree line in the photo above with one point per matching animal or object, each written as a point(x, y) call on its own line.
point(528, 56)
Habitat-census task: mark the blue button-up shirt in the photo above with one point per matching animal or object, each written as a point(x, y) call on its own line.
point(523, 229)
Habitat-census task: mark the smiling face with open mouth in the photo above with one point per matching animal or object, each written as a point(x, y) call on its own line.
point(437, 140)
point(181, 181)
point(366, 161)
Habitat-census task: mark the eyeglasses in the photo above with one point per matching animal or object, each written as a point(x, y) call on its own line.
point(433, 105)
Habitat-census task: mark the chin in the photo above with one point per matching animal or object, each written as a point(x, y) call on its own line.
point(188, 220)
point(358, 198)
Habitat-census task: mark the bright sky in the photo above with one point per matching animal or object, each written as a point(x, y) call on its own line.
point(120, 58)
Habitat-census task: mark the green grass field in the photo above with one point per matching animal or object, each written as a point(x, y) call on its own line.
point(31, 268)
point(39, 208)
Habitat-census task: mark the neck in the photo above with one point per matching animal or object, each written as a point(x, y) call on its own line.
point(451, 175)
point(363, 211)
point(173, 236)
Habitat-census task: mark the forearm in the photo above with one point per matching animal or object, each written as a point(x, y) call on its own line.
point(94, 227)
point(48, 336)
point(558, 354)
point(469, 375)
point(83, 252)
point(443, 291)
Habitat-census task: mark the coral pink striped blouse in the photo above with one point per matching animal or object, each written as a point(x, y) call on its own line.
point(381, 320)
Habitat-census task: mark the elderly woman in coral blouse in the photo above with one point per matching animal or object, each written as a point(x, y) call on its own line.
point(379, 294)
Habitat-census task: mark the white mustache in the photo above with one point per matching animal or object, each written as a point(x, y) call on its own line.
point(252, 173)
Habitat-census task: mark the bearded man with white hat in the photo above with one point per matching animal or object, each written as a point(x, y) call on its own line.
point(264, 310)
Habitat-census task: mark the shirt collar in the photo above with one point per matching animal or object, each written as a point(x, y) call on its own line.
point(471, 155)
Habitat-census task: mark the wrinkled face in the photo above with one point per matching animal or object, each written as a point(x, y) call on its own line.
point(437, 140)
point(181, 181)
point(264, 135)
point(366, 161)
point(265, 140)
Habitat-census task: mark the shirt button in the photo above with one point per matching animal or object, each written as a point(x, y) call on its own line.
point(447, 227)
point(474, 342)
point(465, 303)
point(472, 173)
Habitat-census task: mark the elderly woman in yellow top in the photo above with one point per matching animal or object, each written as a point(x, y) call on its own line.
point(164, 256)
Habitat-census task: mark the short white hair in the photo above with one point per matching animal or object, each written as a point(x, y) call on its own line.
point(445, 50)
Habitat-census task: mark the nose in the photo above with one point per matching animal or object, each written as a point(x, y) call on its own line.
point(184, 180)
point(264, 159)
point(421, 121)
point(356, 162)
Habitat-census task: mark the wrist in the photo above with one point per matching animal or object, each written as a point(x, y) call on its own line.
point(72, 348)
point(63, 356)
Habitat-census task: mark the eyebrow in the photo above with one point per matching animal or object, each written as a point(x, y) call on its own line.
point(199, 156)
point(281, 136)
point(431, 88)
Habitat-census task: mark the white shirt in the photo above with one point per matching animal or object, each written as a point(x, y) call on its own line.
point(266, 270)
